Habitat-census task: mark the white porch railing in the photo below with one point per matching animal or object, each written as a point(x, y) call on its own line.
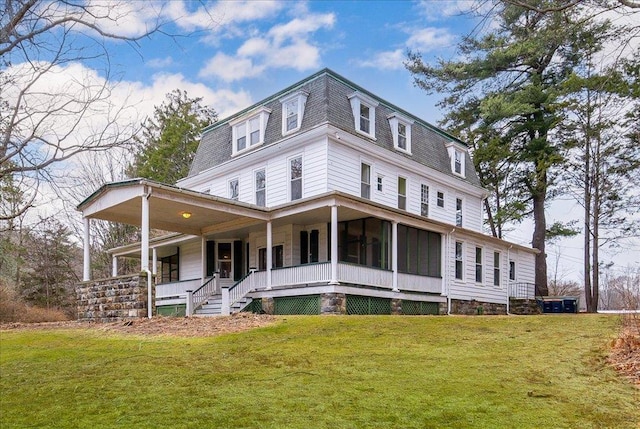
point(361, 275)
point(301, 274)
point(197, 297)
point(413, 283)
point(180, 288)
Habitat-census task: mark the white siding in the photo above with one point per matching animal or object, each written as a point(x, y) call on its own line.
point(190, 260)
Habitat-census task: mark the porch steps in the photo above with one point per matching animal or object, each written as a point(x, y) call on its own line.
point(213, 307)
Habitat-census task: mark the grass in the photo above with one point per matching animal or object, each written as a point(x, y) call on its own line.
point(324, 372)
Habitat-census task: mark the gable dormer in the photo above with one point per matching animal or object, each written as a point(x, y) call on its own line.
point(248, 131)
point(401, 132)
point(293, 111)
point(364, 114)
point(457, 157)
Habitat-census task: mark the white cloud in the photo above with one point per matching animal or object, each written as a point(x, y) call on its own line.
point(158, 63)
point(285, 45)
point(223, 14)
point(423, 40)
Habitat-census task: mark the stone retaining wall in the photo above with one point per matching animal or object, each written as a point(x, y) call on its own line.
point(474, 307)
point(524, 306)
point(114, 299)
point(333, 303)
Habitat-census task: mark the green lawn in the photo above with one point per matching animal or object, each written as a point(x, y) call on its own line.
point(324, 372)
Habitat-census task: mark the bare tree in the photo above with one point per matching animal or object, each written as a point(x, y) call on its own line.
point(48, 101)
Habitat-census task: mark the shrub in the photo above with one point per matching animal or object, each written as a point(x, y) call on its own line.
point(12, 309)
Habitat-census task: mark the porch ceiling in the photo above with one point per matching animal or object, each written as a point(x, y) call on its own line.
point(122, 202)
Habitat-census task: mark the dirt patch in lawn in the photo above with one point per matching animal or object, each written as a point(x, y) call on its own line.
point(625, 351)
point(173, 326)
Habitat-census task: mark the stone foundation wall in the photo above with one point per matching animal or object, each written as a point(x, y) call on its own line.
point(524, 306)
point(268, 305)
point(333, 303)
point(474, 307)
point(114, 299)
point(396, 306)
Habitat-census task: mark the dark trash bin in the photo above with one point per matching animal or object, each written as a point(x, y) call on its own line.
point(569, 305)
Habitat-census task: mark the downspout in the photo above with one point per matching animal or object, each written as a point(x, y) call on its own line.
point(448, 271)
point(508, 278)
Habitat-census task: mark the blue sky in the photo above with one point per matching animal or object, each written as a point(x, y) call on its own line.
point(253, 49)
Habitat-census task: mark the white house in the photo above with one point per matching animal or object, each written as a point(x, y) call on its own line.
point(322, 198)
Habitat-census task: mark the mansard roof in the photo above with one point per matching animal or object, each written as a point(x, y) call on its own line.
point(328, 102)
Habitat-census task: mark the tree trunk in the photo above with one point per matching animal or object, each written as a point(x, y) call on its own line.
point(588, 296)
point(538, 242)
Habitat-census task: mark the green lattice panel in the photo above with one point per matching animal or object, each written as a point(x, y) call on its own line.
point(178, 310)
point(414, 308)
point(368, 305)
point(297, 305)
point(255, 306)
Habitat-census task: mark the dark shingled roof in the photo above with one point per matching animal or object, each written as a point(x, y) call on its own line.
point(328, 102)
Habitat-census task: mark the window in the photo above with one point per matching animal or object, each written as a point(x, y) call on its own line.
point(458, 212)
point(457, 153)
point(365, 121)
point(496, 268)
point(457, 163)
point(512, 270)
point(292, 111)
point(459, 272)
point(379, 183)
point(419, 251)
point(261, 185)
point(440, 199)
point(424, 200)
point(277, 257)
point(170, 268)
point(402, 193)
point(233, 189)
point(478, 264)
point(365, 179)
point(295, 169)
point(309, 246)
point(401, 131)
point(365, 242)
point(248, 131)
point(363, 108)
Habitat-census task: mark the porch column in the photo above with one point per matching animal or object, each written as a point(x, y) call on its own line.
point(145, 234)
point(114, 266)
point(86, 267)
point(154, 261)
point(334, 245)
point(394, 255)
point(269, 255)
point(203, 259)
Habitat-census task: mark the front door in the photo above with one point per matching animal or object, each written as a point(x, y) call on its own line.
point(225, 260)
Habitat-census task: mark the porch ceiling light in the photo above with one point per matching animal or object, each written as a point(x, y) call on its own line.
point(186, 215)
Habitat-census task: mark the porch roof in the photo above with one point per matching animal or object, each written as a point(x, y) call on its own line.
point(121, 202)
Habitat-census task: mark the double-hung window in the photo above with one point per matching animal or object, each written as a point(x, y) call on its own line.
point(457, 162)
point(512, 270)
point(478, 264)
point(363, 108)
point(440, 199)
point(365, 180)
point(496, 268)
point(424, 200)
point(292, 111)
point(234, 191)
point(458, 212)
point(248, 131)
point(295, 170)
point(402, 193)
point(401, 131)
point(459, 259)
point(261, 188)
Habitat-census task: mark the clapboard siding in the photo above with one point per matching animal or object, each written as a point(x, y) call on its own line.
point(190, 261)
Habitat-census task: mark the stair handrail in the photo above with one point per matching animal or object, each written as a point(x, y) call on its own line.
point(240, 288)
point(201, 294)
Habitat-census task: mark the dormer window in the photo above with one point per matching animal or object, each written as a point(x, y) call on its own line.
point(293, 111)
point(364, 114)
point(457, 157)
point(401, 131)
point(248, 131)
